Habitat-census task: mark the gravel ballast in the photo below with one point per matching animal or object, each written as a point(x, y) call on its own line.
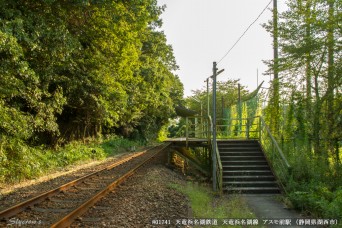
point(144, 200)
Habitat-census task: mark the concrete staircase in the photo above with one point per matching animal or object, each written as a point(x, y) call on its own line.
point(245, 168)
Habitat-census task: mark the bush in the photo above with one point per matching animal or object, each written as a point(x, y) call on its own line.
point(113, 145)
point(334, 208)
point(317, 199)
point(18, 161)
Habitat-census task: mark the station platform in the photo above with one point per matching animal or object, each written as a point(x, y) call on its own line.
point(191, 142)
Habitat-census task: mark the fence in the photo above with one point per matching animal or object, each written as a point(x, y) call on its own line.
point(278, 161)
point(243, 128)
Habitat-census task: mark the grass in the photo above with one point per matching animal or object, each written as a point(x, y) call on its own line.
point(115, 145)
point(207, 205)
point(19, 162)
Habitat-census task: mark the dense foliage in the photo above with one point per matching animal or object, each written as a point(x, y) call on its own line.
point(227, 95)
point(201, 102)
point(76, 69)
point(33, 162)
point(310, 115)
point(72, 69)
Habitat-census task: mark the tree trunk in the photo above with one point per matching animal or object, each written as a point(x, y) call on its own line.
point(275, 104)
point(308, 75)
point(316, 119)
point(331, 75)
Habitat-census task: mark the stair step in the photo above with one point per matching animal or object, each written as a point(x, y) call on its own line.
point(249, 146)
point(238, 145)
point(240, 158)
point(250, 184)
point(241, 153)
point(252, 190)
point(223, 151)
point(239, 148)
point(231, 152)
point(244, 162)
point(246, 167)
point(248, 178)
point(220, 142)
point(247, 172)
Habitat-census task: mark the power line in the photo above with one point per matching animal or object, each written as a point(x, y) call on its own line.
point(244, 32)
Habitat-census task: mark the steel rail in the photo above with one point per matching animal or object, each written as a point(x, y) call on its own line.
point(16, 209)
point(69, 219)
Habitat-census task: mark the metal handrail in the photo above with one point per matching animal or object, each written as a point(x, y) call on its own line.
point(208, 132)
point(210, 128)
point(278, 161)
point(202, 129)
point(261, 131)
point(245, 128)
point(189, 128)
point(219, 171)
point(275, 143)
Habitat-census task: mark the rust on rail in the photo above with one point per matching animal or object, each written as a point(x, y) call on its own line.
point(68, 219)
point(16, 209)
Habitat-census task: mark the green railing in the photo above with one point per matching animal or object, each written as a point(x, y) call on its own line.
point(202, 128)
point(243, 128)
point(198, 127)
point(219, 171)
point(278, 161)
point(237, 128)
point(256, 128)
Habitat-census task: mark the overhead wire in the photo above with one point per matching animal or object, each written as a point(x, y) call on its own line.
point(245, 32)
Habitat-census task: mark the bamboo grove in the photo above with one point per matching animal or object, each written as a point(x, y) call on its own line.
point(76, 69)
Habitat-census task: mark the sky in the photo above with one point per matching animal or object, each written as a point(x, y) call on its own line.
point(202, 31)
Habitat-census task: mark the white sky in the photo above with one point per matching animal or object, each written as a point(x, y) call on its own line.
point(202, 31)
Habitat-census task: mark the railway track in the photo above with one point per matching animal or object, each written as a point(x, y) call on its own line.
point(61, 206)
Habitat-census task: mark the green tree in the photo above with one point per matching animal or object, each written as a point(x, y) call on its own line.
point(227, 95)
point(86, 67)
point(308, 41)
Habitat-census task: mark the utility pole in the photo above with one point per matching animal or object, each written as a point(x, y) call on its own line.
point(215, 73)
point(213, 117)
point(257, 77)
point(275, 38)
point(239, 93)
point(208, 100)
point(214, 127)
point(201, 109)
point(276, 98)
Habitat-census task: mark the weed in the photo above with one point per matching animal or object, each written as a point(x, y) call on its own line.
point(114, 145)
point(205, 204)
point(18, 161)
